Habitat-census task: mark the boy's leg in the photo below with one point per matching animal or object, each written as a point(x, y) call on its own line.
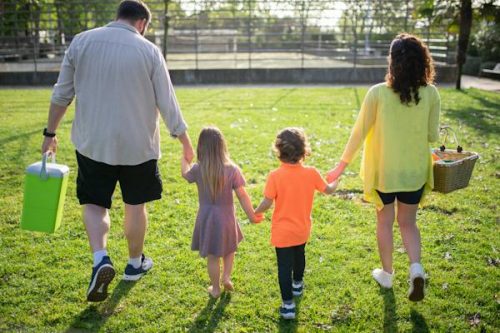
point(285, 257)
point(299, 262)
point(228, 268)
point(213, 266)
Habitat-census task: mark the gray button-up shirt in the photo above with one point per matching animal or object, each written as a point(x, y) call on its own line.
point(122, 85)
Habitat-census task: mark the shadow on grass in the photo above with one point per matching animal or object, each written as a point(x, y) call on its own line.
point(208, 318)
point(418, 322)
point(287, 325)
point(390, 315)
point(483, 119)
point(95, 316)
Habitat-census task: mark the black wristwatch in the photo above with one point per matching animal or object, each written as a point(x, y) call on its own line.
point(48, 134)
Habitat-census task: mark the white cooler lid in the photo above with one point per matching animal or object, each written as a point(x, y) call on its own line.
point(53, 169)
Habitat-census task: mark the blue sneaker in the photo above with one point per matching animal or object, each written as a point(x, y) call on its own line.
point(287, 311)
point(102, 275)
point(134, 274)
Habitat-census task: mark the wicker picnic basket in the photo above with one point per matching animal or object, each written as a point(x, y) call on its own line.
point(454, 169)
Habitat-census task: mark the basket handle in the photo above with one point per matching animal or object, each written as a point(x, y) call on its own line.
point(43, 171)
point(446, 130)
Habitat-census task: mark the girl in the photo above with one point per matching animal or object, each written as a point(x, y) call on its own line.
point(216, 233)
point(292, 187)
point(397, 121)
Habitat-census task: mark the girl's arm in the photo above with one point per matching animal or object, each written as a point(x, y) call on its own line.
point(246, 204)
point(264, 205)
point(185, 167)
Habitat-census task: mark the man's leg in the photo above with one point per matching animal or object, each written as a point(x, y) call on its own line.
point(136, 222)
point(97, 224)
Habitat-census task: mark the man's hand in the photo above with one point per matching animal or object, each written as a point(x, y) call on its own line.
point(187, 148)
point(49, 144)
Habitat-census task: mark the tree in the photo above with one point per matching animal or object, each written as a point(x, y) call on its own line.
point(463, 38)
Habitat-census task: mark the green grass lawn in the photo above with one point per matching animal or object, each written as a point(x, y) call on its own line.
point(43, 278)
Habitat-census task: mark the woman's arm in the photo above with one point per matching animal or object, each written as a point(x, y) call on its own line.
point(246, 204)
point(334, 174)
point(330, 188)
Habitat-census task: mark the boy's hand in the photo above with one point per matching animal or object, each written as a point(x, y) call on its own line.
point(335, 173)
point(259, 217)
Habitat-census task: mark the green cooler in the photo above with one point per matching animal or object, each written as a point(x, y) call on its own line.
point(44, 192)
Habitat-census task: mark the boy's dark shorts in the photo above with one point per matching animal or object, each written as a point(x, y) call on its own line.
point(96, 182)
point(409, 198)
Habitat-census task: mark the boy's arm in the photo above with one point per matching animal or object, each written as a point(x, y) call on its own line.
point(246, 204)
point(264, 205)
point(330, 188)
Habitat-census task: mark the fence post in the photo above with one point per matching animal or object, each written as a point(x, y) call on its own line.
point(165, 28)
point(197, 14)
point(302, 37)
point(249, 34)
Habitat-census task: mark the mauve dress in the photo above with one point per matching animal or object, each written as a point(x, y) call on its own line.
point(216, 231)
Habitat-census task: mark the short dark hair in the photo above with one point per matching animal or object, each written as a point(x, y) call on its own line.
point(292, 145)
point(133, 11)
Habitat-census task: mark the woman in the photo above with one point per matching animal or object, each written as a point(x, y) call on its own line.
point(397, 121)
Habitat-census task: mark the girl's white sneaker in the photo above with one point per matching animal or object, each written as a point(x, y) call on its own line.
point(417, 282)
point(383, 278)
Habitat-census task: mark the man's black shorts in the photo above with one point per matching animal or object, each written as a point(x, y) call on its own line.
point(409, 198)
point(96, 182)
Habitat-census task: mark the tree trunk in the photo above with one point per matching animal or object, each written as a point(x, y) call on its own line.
point(463, 38)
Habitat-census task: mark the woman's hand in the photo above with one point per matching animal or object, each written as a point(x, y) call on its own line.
point(335, 173)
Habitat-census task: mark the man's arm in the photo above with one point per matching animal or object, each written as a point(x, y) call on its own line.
point(187, 148)
point(56, 113)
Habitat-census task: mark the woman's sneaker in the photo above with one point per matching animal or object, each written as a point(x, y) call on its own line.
point(134, 274)
point(102, 275)
point(287, 310)
point(297, 288)
point(417, 282)
point(383, 278)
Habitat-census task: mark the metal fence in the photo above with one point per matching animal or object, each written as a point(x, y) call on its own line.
point(222, 34)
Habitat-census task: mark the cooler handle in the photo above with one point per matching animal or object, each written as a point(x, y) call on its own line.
point(43, 171)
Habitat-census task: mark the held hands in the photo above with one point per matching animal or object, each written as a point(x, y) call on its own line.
point(335, 173)
point(188, 153)
point(257, 218)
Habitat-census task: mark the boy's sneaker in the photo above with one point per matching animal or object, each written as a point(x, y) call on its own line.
point(297, 288)
point(383, 278)
point(287, 311)
point(102, 275)
point(417, 282)
point(134, 274)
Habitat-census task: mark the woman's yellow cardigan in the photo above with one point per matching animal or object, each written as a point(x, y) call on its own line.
point(396, 155)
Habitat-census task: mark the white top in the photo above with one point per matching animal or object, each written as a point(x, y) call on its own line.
point(122, 86)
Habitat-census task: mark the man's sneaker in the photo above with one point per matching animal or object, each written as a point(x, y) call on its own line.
point(383, 278)
point(297, 288)
point(134, 274)
point(287, 311)
point(417, 283)
point(102, 275)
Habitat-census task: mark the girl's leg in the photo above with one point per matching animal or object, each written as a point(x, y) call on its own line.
point(407, 220)
point(228, 268)
point(385, 220)
point(213, 265)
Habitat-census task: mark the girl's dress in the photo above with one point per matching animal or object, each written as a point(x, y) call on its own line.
point(216, 231)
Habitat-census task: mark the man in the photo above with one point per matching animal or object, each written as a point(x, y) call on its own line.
point(122, 86)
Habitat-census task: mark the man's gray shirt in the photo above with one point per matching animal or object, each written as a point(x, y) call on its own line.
point(122, 86)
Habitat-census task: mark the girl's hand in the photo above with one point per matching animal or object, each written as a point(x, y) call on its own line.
point(257, 218)
point(334, 174)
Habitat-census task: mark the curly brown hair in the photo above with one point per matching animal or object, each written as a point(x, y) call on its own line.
point(410, 67)
point(292, 145)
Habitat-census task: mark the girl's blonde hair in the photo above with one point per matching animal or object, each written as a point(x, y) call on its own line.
point(212, 157)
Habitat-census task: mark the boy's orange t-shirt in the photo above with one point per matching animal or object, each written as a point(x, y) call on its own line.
point(292, 188)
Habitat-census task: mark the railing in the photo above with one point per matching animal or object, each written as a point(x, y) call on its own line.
point(213, 34)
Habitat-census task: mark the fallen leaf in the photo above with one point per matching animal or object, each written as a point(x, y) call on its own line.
point(475, 319)
point(447, 256)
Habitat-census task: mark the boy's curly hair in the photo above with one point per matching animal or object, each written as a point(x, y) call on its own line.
point(292, 145)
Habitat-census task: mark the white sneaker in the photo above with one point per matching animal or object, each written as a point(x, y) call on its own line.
point(287, 311)
point(417, 282)
point(383, 278)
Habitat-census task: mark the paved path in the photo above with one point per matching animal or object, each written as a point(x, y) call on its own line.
point(480, 83)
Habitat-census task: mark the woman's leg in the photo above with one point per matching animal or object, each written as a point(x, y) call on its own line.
point(407, 220)
point(228, 268)
point(213, 265)
point(385, 221)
